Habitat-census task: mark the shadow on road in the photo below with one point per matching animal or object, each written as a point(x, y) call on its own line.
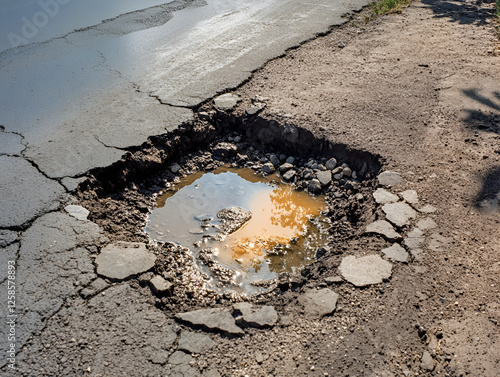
point(463, 12)
point(488, 198)
point(484, 120)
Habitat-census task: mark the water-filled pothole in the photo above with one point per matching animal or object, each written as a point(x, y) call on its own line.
point(243, 228)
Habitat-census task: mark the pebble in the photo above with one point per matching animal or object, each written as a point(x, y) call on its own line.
point(324, 177)
point(160, 286)
point(174, 168)
point(347, 172)
point(290, 160)
point(314, 186)
point(285, 167)
point(427, 362)
point(274, 159)
point(331, 164)
point(268, 168)
point(289, 175)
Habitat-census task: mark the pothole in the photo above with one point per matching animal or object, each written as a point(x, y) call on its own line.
point(234, 207)
point(243, 228)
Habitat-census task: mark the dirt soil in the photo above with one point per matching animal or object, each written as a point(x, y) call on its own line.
point(420, 89)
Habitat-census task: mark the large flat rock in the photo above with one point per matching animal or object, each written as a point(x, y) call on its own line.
point(363, 271)
point(399, 214)
point(385, 229)
point(319, 302)
point(389, 178)
point(382, 196)
point(24, 192)
point(255, 316)
point(124, 259)
point(218, 320)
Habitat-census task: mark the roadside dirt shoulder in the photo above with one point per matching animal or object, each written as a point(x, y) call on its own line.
point(421, 89)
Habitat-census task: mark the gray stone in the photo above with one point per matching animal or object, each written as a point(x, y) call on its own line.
point(331, 164)
point(174, 168)
point(338, 176)
point(410, 196)
point(427, 209)
point(347, 172)
point(414, 238)
point(160, 286)
point(399, 213)
point(124, 259)
point(314, 186)
point(427, 223)
point(335, 279)
point(192, 342)
point(289, 175)
point(290, 160)
point(268, 168)
point(389, 178)
point(219, 320)
point(382, 196)
point(385, 229)
point(255, 316)
point(72, 184)
point(274, 159)
point(24, 192)
point(7, 237)
point(396, 253)
point(78, 212)
point(427, 362)
point(285, 167)
point(226, 101)
point(319, 302)
point(324, 177)
point(95, 287)
point(363, 271)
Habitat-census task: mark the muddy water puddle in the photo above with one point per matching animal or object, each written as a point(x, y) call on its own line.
point(243, 229)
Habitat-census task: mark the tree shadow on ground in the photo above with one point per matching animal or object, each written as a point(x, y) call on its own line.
point(463, 11)
point(488, 199)
point(487, 121)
